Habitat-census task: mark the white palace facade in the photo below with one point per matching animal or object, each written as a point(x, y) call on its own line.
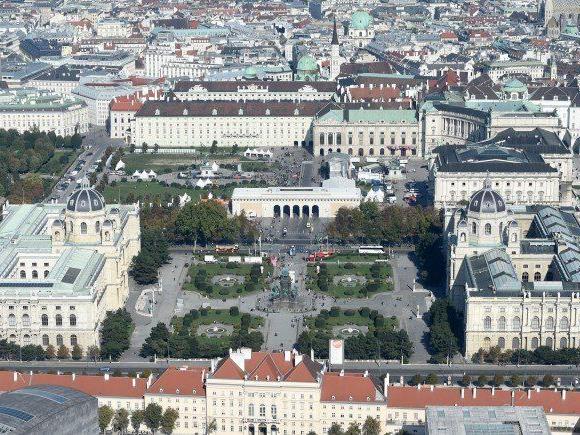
point(63, 266)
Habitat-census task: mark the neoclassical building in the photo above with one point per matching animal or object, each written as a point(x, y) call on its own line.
point(359, 130)
point(527, 167)
point(360, 29)
point(63, 266)
point(514, 273)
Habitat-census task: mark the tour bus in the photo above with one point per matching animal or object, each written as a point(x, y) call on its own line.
point(371, 249)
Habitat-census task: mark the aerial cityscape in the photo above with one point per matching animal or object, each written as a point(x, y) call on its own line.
point(299, 217)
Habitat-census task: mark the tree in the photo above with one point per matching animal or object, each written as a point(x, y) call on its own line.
point(353, 429)
point(432, 379)
point(371, 426)
point(466, 380)
point(213, 148)
point(156, 148)
point(63, 352)
point(121, 420)
point(158, 341)
point(335, 429)
point(105, 417)
point(77, 352)
point(132, 148)
point(50, 352)
point(416, 379)
point(170, 416)
point(531, 381)
point(137, 418)
point(212, 426)
point(515, 380)
point(93, 352)
point(548, 380)
point(234, 311)
point(481, 381)
point(235, 149)
point(497, 380)
point(116, 333)
point(153, 416)
point(144, 147)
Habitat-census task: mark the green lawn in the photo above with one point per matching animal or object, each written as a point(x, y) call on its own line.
point(353, 257)
point(382, 282)
point(214, 316)
point(350, 317)
point(163, 163)
point(223, 268)
point(154, 191)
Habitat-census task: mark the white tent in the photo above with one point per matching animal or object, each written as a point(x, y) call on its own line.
point(120, 165)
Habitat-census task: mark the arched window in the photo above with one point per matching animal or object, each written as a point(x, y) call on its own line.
point(500, 228)
point(501, 342)
point(59, 341)
point(462, 237)
point(515, 343)
point(321, 138)
point(535, 322)
point(22, 274)
point(11, 320)
point(361, 152)
point(46, 273)
point(58, 320)
point(338, 139)
point(514, 237)
point(251, 409)
point(534, 342)
point(25, 320)
point(71, 227)
point(487, 229)
point(516, 323)
point(44, 319)
point(83, 227)
point(474, 228)
point(486, 343)
point(73, 340)
point(26, 339)
point(563, 343)
point(537, 276)
point(550, 342)
point(107, 236)
point(501, 323)
point(487, 323)
point(564, 323)
point(97, 227)
point(550, 323)
point(73, 320)
point(262, 410)
point(45, 340)
point(12, 338)
point(35, 274)
point(330, 139)
point(525, 277)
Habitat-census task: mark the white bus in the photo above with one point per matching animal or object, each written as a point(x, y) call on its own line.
point(371, 249)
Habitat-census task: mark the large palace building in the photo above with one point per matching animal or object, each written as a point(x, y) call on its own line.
point(514, 273)
point(63, 266)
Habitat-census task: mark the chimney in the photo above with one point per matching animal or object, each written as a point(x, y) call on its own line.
point(564, 394)
point(15, 376)
point(366, 374)
point(312, 354)
point(386, 384)
point(493, 391)
point(74, 376)
point(287, 355)
point(529, 394)
point(432, 388)
point(513, 397)
point(463, 393)
point(106, 376)
point(342, 372)
point(474, 392)
point(134, 382)
point(297, 360)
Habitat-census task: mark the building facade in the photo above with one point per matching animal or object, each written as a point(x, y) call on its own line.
point(246, 124)
point(63, 267)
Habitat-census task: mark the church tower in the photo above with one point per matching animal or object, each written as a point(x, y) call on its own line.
point(334, 54)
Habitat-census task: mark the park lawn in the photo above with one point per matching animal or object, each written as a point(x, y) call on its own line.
point(342, 291)
point(214, 269)
point(140, 189)
point(355, 319)
point(160, 163)
point(354, 257)
point(222, 316)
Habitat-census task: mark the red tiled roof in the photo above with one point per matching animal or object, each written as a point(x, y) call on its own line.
point(412, 397)
point(349, 387)
point(269, 366)
point(183, 382)
point(376, 93)
point(89, 384)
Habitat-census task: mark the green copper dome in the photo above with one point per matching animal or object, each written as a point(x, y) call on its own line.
point(307, 64)
point(514, 85)
point(571, 29)
point(360, 20)
point(250, 72)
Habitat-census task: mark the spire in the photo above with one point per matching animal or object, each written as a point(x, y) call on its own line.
point(334, 34)
point(487, 182)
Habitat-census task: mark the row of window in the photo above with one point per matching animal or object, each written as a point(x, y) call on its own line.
point(564, 323)
point(329, 138)
point(371, 151)
point(72, 319)
point(45, 340)
point(516, 344)
point(34, 274)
